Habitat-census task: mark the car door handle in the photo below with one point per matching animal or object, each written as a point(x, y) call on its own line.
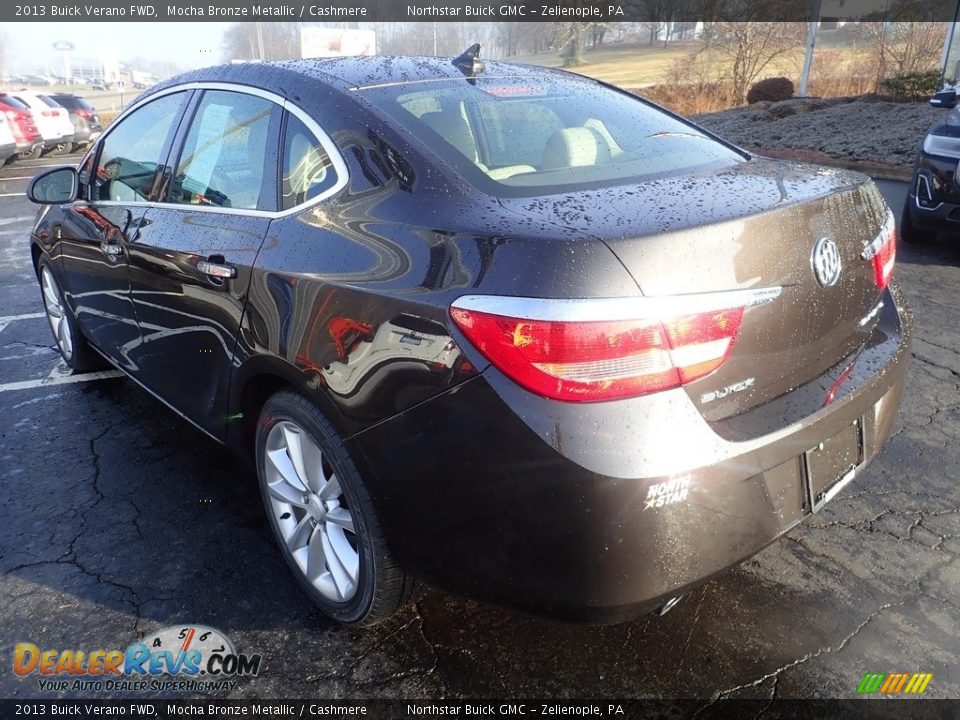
point(217, 270)
point(111, 250)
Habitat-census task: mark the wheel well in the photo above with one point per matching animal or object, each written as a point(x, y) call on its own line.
point(254, 396)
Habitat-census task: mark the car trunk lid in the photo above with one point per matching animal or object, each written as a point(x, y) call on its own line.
point(751, 226)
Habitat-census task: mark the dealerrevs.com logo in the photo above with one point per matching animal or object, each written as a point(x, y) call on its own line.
point(188, 658)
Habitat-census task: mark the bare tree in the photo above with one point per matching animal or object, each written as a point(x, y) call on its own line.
point(898, 48)
point(749, 48)
point(569, 41)
point(915, 46)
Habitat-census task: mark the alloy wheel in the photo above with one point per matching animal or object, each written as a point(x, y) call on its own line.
point(311, 512)
point(56, 314)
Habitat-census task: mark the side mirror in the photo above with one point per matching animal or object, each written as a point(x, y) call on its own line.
point(53, 187)
point(944, 99)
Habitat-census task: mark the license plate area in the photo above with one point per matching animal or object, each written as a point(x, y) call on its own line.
point(832, 464)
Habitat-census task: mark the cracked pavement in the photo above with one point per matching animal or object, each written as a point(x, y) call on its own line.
point(119, 519)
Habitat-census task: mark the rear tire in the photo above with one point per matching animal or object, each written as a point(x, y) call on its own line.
point(70, 342)
point(322, 516)
point(33, 154)
point(909, 232)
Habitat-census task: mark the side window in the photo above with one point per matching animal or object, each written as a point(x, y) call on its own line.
point(307, 169)
point(131, 152)
point(225, 157)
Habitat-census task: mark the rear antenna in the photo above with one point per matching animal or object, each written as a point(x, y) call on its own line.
point(469, 63)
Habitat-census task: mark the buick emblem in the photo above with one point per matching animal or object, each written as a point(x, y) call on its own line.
point(826, 262)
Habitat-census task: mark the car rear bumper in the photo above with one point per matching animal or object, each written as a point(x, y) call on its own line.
point(594, 513)
point(942, 216)
point(941, 207)
point(28, 147)
point(52, 142)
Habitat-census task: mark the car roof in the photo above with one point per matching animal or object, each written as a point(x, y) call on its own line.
point(348, 73)
point(366, 71)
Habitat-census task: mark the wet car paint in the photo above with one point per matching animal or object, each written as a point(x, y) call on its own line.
point(532, 502)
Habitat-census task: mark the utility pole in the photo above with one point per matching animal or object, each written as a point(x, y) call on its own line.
point(260, 40)
point(812, 27)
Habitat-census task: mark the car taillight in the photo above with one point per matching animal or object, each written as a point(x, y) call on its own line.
point(48, 113)
point(649, 345)
point(882, 252)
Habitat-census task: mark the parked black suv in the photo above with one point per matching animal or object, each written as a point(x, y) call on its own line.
point(933, 198)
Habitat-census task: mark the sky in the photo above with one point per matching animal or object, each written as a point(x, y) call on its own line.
point(189, 45)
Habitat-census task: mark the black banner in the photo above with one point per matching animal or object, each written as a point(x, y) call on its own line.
point(919, 709)
point(478, 10)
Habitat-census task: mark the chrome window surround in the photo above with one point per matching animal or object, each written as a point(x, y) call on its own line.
point(615, 309)
point(336, 158)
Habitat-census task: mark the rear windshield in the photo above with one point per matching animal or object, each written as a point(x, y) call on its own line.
point(515, 137)
point(13, 102)
point(49, 101)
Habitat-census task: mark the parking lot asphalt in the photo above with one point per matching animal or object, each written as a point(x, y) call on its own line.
point(119, 519)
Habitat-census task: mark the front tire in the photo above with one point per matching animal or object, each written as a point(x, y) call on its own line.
point(70, 342)
point(909, 232)
point(322, 516)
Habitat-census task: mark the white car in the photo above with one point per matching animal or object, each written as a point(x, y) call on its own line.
point(8, 143)
point(52, 120)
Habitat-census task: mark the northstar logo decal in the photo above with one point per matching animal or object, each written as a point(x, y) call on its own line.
point(667, 493)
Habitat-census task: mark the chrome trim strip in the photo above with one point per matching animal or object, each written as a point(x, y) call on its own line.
point(331, 149)
point(942, 146)
point(916, 194)
point(926, 209)
point(872, 314)
point(613, 309)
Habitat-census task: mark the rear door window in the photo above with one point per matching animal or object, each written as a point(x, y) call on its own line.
point(13, 102)
point(228, 158)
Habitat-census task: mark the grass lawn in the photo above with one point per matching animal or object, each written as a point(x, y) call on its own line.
point(627, 65)
point(639, 64)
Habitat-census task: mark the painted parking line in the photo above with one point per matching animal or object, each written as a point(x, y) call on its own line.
point(19, 194)
point(60, 375)
point(4, 321)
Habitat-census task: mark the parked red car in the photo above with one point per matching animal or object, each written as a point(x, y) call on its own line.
point(25, 132)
